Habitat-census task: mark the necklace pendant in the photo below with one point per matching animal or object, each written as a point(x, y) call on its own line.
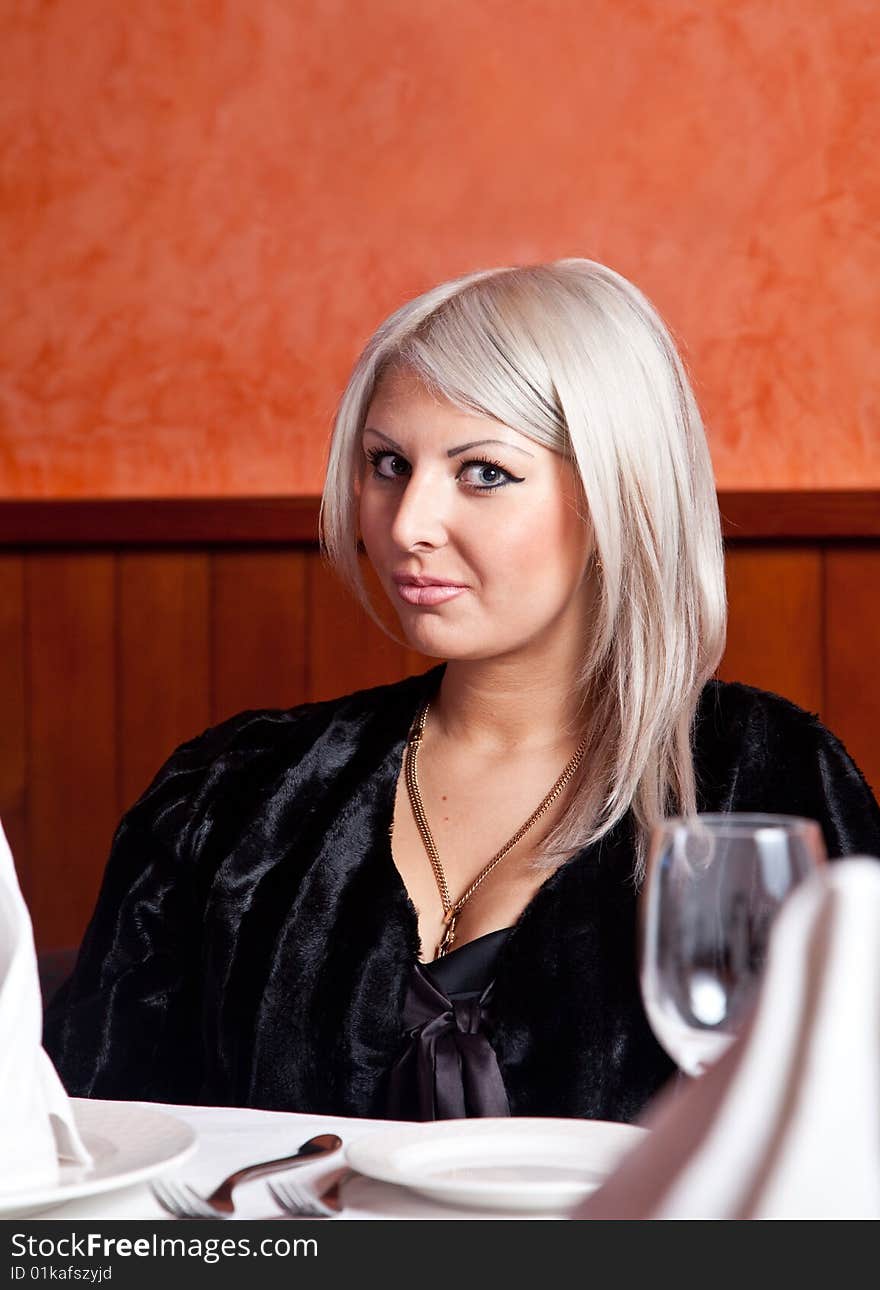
point(448, 936)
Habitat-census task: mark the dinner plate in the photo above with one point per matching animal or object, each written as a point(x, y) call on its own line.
point(128, 1144)
point(518, 1163)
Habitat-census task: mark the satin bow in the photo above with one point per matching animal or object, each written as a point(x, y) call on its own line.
point(448, 1070)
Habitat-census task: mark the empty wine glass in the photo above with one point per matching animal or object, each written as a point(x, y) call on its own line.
point(714, 886)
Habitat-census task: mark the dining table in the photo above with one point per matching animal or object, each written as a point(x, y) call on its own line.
point(225, 1139)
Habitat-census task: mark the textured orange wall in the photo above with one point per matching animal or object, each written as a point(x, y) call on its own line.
point(207, 207)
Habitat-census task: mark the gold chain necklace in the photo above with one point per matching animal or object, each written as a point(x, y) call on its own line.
point(452, 909)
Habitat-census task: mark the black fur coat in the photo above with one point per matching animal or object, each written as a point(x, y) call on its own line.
point(253, 940)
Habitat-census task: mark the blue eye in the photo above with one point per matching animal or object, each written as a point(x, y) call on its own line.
point(488, 476)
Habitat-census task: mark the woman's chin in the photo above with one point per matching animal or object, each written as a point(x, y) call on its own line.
point(435, 640)
point(451, 647)
point(427, 643)
point(429, 634)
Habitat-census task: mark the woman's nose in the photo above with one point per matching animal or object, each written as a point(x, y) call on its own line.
point(421, 512)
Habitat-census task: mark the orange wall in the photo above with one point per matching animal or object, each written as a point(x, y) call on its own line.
point(207, 207)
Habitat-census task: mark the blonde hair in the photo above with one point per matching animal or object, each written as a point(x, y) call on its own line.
point(574, 356)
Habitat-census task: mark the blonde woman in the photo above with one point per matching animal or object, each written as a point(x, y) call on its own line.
point(418, 901)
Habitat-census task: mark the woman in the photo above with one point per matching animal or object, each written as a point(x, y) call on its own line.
point(419, 900)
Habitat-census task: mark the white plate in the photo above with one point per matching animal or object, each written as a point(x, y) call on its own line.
point(128, 1144)
point(517, 1163)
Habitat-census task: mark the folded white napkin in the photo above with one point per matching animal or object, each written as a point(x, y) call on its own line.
point(787, 1124)
point(36, 1118)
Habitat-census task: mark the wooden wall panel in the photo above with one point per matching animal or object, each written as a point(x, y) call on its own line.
point(775, 630)
point(108, 661)
point(13, 714)
point(73, 798)
point(259, 630)
point(852, 634)
point(807, 515)
point(347, 651)
point(163, 658)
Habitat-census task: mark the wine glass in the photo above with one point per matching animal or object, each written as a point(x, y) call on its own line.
point(714, 886)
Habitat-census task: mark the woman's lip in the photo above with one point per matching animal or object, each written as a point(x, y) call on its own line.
point(433, 594)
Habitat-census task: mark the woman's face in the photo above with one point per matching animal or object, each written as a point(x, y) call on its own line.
point(448, 496)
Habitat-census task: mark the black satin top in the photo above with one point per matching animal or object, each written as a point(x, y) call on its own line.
point(448, 1069)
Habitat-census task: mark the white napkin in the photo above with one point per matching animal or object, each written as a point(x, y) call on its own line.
point(36, 1118)
point(787, 1124)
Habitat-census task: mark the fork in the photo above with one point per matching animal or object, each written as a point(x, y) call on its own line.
point(180, 1200)
point(299, 1201)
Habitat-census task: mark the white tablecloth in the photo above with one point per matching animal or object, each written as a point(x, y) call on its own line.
point(229, 1138)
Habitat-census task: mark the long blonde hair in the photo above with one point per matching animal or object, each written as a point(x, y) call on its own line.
point(574, 356)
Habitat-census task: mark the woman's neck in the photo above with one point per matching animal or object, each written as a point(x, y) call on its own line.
point(503, 706)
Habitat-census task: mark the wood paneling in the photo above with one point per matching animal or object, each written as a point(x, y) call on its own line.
point(347, 650)
point(73, 797)
point(254, 521)
point(775, 629)
point(802, 513)
point(852, 635)
point(109, 659)
point(163, 659)
point(159, 521)
point(13, 714)
point(258, 630)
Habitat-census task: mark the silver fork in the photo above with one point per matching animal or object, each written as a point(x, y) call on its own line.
point(183, 1201)
point(298, 1200)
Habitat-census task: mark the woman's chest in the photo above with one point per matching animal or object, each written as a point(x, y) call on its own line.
point(444, 843)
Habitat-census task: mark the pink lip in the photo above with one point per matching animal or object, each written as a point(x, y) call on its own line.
point(432, 593)
point(423, 580)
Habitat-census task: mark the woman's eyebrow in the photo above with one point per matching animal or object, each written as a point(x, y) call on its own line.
point(478, 443)
point(451, 452)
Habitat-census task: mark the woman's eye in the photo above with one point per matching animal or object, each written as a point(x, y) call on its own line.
point(485, 475)
point(478, 476)
point(387, 465)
